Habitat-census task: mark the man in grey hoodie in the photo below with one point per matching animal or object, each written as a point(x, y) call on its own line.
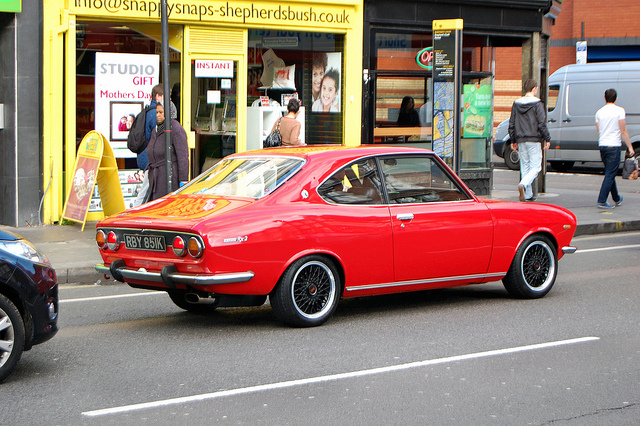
point(528, 131)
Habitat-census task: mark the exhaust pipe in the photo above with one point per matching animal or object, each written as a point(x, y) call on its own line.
point(197, 300)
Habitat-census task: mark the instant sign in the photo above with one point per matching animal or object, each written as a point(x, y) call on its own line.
point(213, 69)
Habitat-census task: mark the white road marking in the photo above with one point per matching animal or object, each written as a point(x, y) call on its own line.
point(320, 379)
point(115, 296)
point(630, 246)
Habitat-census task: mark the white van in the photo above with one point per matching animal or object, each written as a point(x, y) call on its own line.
point(576, 92)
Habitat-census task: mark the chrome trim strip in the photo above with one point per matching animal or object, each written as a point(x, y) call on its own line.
point(181, 278)
point(429, 281)
point(569, 249)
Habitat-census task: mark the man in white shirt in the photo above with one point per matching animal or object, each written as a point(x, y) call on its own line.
point(611, 125)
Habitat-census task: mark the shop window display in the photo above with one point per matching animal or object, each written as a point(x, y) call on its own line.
point(284, 64)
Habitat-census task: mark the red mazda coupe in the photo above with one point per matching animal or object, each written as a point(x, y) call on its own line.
point(307, 226)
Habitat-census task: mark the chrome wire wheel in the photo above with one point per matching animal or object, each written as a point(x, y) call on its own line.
point(538, 266)
point(534, 268)
point(314, 286)
point(308, 292)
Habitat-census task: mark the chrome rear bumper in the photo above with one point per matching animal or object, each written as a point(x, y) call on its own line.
point(169, 276)
point(569, 249)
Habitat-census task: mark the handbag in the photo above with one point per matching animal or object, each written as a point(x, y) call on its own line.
point(275, 138)
point(630, 168)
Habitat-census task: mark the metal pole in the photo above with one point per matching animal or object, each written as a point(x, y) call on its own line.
point(167, 98)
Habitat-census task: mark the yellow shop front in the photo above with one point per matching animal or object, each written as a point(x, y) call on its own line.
point(233, 67)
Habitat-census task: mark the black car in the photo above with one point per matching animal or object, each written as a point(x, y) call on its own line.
point(28, 299)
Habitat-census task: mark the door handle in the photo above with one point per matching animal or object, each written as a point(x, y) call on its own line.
point(405, 216)
point(552, 120)
point(566, 120)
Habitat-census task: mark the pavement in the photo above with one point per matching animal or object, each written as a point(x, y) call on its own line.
point(73, 252)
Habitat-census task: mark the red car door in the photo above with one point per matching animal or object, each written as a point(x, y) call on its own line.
point(439, 231)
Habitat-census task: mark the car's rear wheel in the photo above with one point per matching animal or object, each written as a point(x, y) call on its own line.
point(179, 297)
point(511, 157)
point(11, 336)
point(308, 292)
point(533, 270)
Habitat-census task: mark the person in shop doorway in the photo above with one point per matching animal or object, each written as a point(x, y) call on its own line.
point(289, 125)
point(157, 96)
point(612, 128)
point(528, 131)
point(157, 169)
point(175, 97)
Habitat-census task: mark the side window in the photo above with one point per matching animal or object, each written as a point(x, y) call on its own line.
point(552, 100)
point(418, 180)
point(357, 183)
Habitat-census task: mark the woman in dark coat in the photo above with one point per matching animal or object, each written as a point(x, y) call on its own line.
point(157, 157)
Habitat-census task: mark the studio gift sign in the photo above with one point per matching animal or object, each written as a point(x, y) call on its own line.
point(122, 89)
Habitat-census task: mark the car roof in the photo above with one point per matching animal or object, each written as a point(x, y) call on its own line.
point(335, 151)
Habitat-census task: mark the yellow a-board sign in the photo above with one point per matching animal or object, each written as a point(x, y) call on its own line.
point(95, 163)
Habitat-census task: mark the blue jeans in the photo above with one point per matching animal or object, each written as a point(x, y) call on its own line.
point(611, 158)
point(530, 165)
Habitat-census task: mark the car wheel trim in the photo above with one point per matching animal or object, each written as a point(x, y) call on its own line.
point(313, 290)
point(7, 337)
point(514, 156)
point(538, 266)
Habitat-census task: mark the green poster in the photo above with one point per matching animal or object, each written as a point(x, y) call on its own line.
point(10, 5)
point(478, 110)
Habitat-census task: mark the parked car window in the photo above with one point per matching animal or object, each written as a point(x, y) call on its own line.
point(252, 177)
point(418, 180)
point(357, 183)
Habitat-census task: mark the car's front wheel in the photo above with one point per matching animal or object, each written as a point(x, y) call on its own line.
point(308, 292)
point(533, 270)
point(11, 336)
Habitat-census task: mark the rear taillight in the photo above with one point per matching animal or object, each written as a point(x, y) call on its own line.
point(101, 240)
point(112, 241)
point(195, 247)
point(179, 246)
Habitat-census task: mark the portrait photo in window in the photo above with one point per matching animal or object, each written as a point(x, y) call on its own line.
point(326, 74)
point(121, 118)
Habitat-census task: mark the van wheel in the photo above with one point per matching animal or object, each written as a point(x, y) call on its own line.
point(511, 157)
point(561, 166)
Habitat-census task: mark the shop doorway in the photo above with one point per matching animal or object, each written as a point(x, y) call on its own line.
point(214, 96)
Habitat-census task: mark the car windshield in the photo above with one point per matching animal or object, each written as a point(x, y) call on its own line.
point(252, 177)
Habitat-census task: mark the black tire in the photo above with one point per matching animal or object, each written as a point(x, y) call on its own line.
point(11, 336)
point(533, 270)
point(511, 157)
point(308, 292)
point(178, 297)
point(561, 166)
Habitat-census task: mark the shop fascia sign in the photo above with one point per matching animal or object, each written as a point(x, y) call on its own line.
point(315, 15)
point(214, 69)
point(424, 58)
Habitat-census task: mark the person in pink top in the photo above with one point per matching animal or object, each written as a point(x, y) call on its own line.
point(289, 125)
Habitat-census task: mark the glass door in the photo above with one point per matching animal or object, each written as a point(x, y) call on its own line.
point(213, 111)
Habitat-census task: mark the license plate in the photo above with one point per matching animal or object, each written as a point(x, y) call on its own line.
point(145, 242)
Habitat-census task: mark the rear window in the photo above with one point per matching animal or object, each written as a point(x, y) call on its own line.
point(252, 177)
